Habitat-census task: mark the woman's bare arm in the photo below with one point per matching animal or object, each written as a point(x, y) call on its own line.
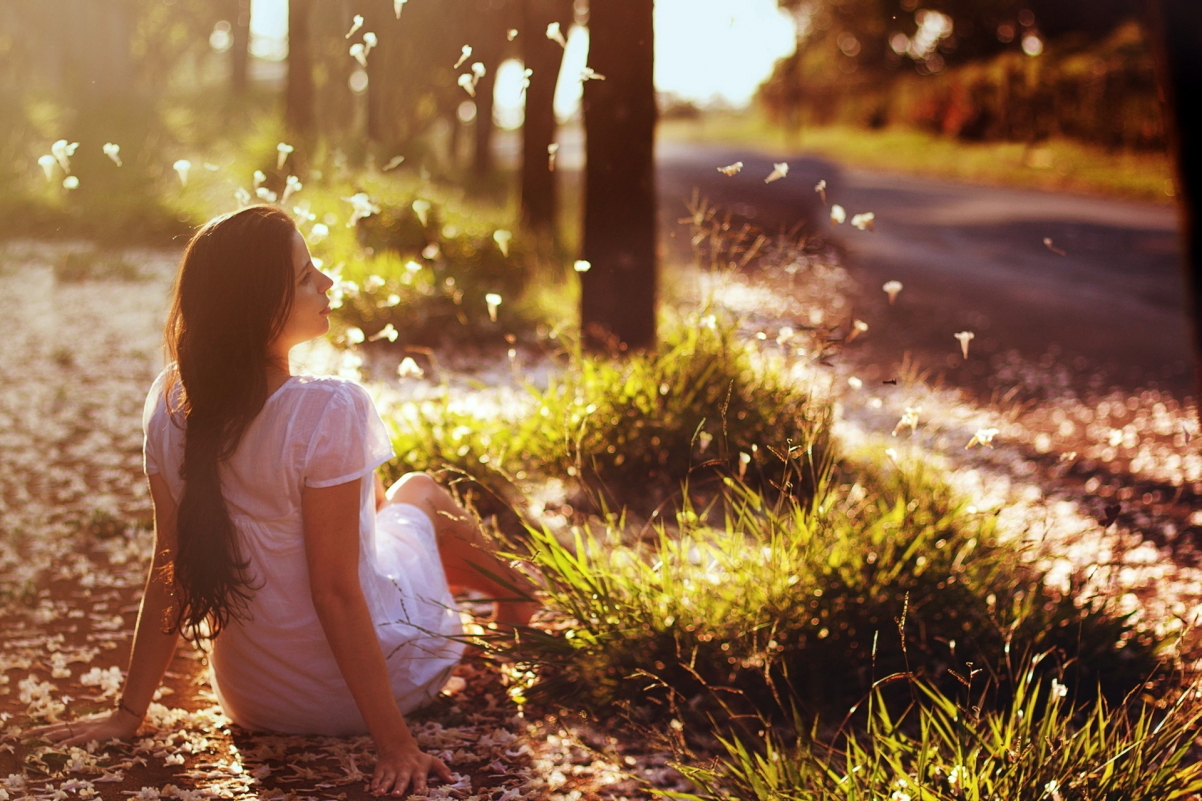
point(331, 524)
point(152, 650)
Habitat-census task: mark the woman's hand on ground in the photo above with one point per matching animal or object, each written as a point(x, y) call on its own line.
point(102, 728)
point(397, 767)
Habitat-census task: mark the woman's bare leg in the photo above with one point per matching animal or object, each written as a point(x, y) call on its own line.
point(467, 558)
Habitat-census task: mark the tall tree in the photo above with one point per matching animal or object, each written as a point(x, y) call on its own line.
point(1176, 27)
point(617, 304)
point(240, 47)
point(299, 113)
point(542, 57)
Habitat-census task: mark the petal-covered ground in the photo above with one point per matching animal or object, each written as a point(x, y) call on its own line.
point(1106, 487)
point(75, 541)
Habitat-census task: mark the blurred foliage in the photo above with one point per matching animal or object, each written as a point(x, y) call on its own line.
point(959, 67)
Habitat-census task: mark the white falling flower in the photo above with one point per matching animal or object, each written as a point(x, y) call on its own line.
point(464, 54)
point(785, 334)
point(478, 69)
point(965, 337)
point(369, 41)
point(281, 154)
point(502, 238)
point(857, 327)
point(838, 215)
point(266, 195)
point(210, 167)
point(709, 321)
point(362, 206)
point(71, 182)
point(511, 34)
point(891, 289)
point(779, 170)
point(388, 332)
point(413, 266)
point(556, 35)
point(855, 383)
point(493, 300)
point(552, 149)
point(63, 152)
point(468, 82)
point(1058, 690)
point(984, 436)
point(1047, 242)
point(524, 82)
point(430, 251)
point(820, 188)
point(587, 74)
point(182, 168)
point(354, 335)
point(259, 178)
point(582, 266)
point(422, 209)
point(704, 438)
point(744, 460)
point(909, 418)
point(373, 282)
point(113, 152)
point(393, 163)
point(397, 5)
point(291, 187)
point(863, 221)
point(892, 454)
point(731, 169)
point(356, 24)
point(359, 53)
point(242, 196)
point(408, 368)
point(319, 232)
point(47, 163)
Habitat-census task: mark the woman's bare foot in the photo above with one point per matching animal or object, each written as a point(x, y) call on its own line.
point(514, 614)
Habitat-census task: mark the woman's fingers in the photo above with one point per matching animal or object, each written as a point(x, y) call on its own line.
point(441, 770)
point(419, 782)
point(402, 782)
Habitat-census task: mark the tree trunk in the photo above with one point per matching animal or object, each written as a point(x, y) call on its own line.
point(617, 304)
point(542, 57)
point(299, 114)
point(483, 164)
point(240, 49)
point(1176, 38)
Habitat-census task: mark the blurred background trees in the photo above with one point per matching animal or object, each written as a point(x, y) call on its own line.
point(1018, 70)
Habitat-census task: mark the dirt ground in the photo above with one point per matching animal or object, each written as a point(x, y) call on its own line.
point(80, 352)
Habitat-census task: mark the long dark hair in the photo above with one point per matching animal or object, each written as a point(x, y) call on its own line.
point(232, 297)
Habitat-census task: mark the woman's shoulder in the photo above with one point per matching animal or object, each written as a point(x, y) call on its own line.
point(325, 390)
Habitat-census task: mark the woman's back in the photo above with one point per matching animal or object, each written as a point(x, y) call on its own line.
point(275, 670)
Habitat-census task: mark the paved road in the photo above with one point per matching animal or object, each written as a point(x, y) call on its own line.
point(970, 258)
point(974, 258)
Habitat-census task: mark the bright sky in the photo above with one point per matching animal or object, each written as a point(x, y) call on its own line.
point(705, 50)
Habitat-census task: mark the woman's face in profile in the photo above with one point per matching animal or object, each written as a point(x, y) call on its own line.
point(309, 316)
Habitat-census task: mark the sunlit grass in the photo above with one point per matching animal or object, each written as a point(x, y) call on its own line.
point(627, 433)
point(1042, 746)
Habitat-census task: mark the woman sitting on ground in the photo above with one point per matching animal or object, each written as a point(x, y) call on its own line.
point(328, 598)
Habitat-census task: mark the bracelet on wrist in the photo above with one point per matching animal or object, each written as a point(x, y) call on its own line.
point(124, 707)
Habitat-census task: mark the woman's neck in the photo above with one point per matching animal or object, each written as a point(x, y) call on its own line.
point(277, 375)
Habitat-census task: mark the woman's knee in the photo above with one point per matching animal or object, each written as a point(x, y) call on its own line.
point(416, 488)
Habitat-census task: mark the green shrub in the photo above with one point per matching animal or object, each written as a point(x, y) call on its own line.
point(628, 432)
point(1041, 747)
point(809, 603)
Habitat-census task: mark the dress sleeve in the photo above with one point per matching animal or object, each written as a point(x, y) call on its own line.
point(349, 441)
point(151, 432)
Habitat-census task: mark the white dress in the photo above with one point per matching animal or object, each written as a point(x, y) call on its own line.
point(275, 671)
